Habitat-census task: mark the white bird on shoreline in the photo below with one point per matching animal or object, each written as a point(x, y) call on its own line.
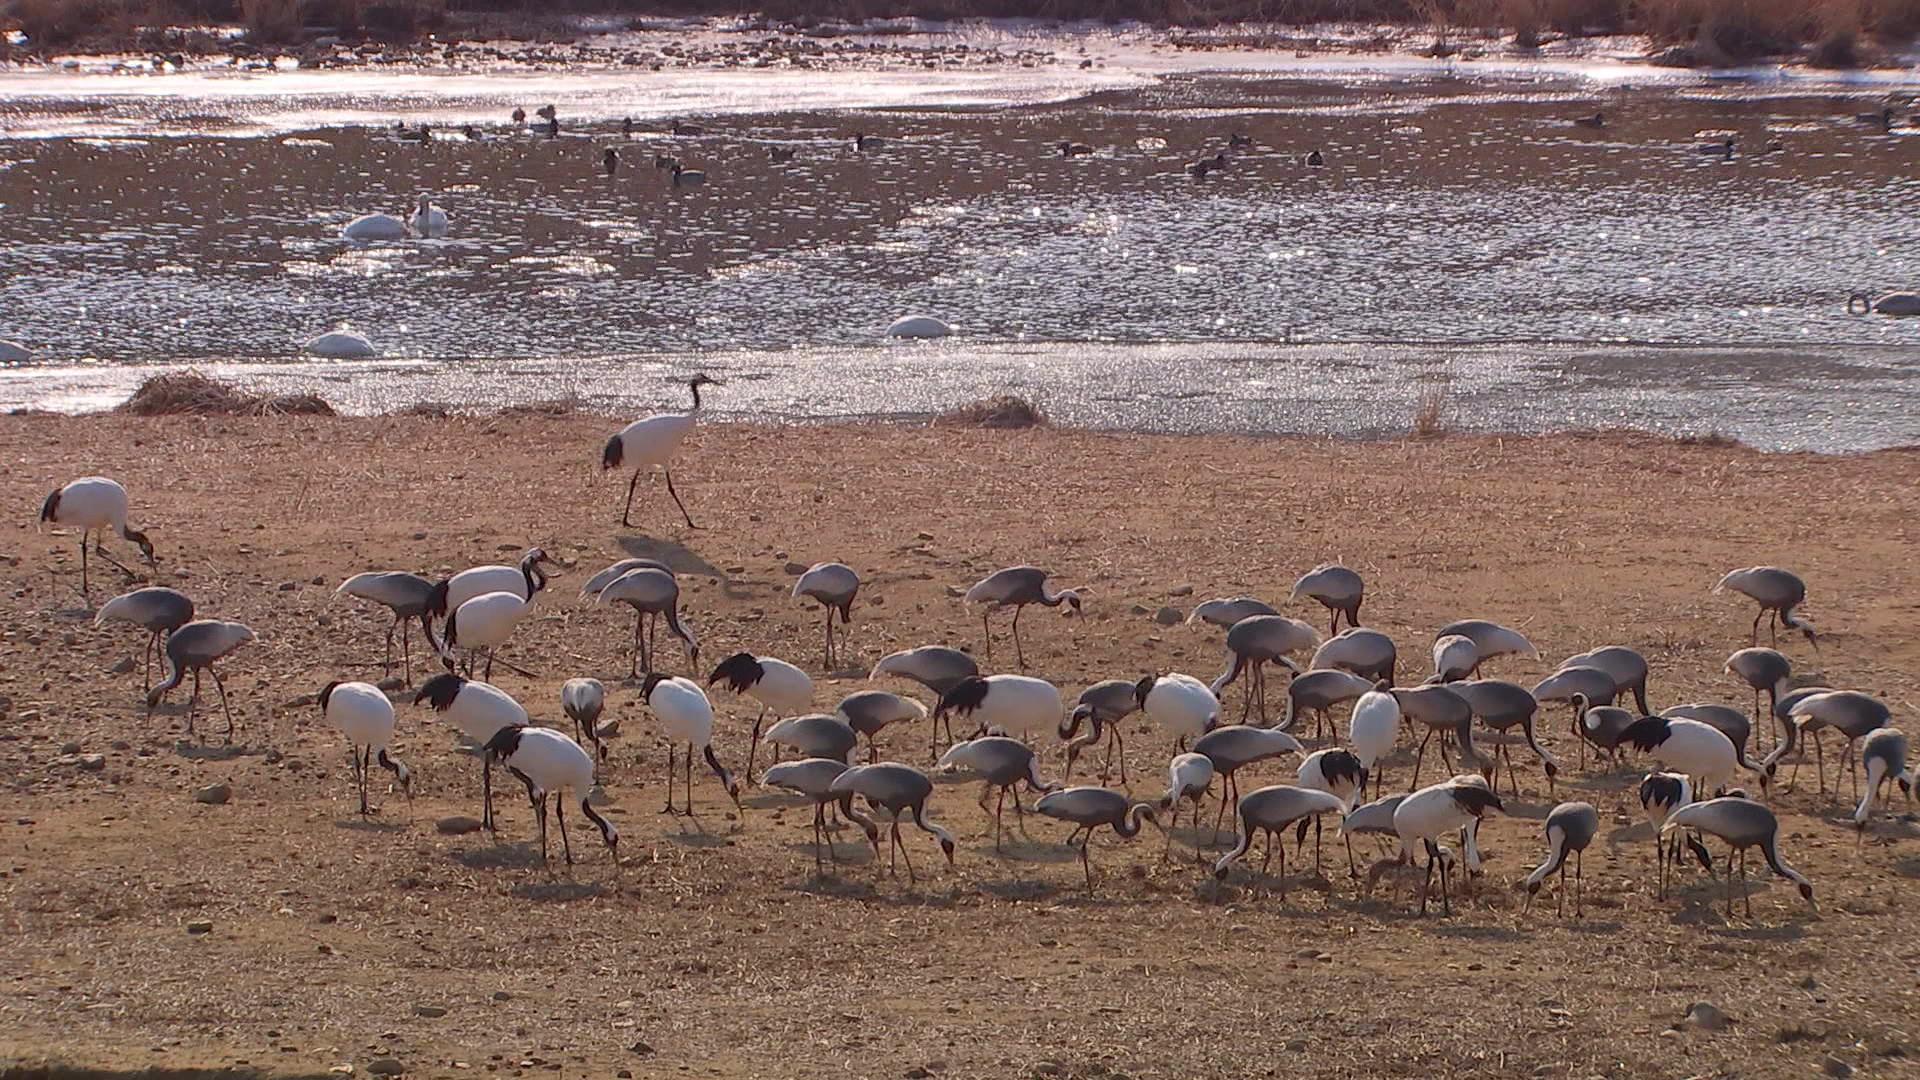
point(772, 682)
point(654, 440)
point(549, 763)
point(365, 716)
point(96, 505)
point(478, 710)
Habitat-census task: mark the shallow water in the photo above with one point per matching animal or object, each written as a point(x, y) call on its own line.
point(1665, 287)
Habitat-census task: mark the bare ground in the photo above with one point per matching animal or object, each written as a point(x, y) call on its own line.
point(715, 951)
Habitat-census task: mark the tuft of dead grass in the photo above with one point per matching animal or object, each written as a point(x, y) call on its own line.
point(1430, 413)
point(428, 410)
point(191, 393)
point(1003, 411)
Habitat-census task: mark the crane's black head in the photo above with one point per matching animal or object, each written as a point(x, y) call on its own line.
point(1700, 852)
point(401, 774)
point(1806, 893)
point(1144, 687)
point(326, 694)
point(440, 691)
point(146, 546)
point(740, 671)
point(652, 680)
point(51, 506)
point(966, 696)
point(610, 457)
point(505, 742)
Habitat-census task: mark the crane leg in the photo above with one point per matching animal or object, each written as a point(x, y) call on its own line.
point(627, 514)
point(686, 777)
point(753, 747)
point(676, 498)
point(1019, 655)
point(560, 811)
point(1418, 758)
point(1086, 866)
point(668, 809)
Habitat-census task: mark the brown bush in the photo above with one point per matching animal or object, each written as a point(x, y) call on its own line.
point(190, 393)
point(1000, 411)
point(63, 22)
point(271, 20)
point(1430, 414)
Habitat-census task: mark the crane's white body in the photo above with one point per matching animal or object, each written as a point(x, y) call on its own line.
point(375, 227)
point(1700, 750)
point(362, 713)
point(91, 503)
point(1020, 706)
point(1434, 812)
point(481, 580)
point(486, 621)
point(653, 440)
point(1313, 773)
point(553, 761)
point(1657, 810)
point(783, 688)
point(1182, 706)
point(428, 220)
point(481, 709)
point(1374, 726)
point(684, 711)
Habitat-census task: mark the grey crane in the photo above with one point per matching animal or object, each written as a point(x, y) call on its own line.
point(652, 594)
point(1367, 653)
point(1604, 727)
point(617, 570)
point(1338, 589)
point(1661, 793)
point(869, 712)
point(1571, 826)
point(1455, 657)
point(1883, 754)
point(1579, 681)
point(157, 610)
point(1627, 667)
point(1766, 671)
point(407, 596)
point(1002, 764)
point(196, 647)
point(1500, 705)
point(1854, 714)
point(1101, 707)
point(815, 735)
point(1233, 748)
point(1491, 638)
point(1226, 610)
point(1271, 810)
point(1319, 691)
point(834, 585)
point(1016, 587)
point(1253, 643)
point(1743, 824)
point(1783, 718)
point(583, 700)
point(897, 789)
point(813, 778)
point(935, 667)
point(1088, 808)
point(1447, 713)
point(1777, 592)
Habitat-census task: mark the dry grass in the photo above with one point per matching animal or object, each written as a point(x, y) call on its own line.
point(1005, 411)
point(1430, 415)
point(190, 393)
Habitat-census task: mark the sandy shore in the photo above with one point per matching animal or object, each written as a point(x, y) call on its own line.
point(713, 951)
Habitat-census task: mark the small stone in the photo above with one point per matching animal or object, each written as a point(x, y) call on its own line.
point(200, 926)
point(28, 716)
point(956, 592)
point(213, 795)
point(93, 762)
point(122, 744)
point(1323, 958)
point(609, 728)
point(502, 995)
point(124, 666)
point(1180, 590)
point(1708, 1017)
point(70, 748)
point(1168, 616)
point(624, 1074)
point(918, 1072)
point(642, 1049)
point(391, 683)
point(1809, 983)
point(1295, 1045)
point(289, 586)
point(1836, 1068)
point(457, 825)
point(1139, 609)
point(273, 757)
point(796, 568)
point(923, 536)
point(431, 1012)
point(386, 1066)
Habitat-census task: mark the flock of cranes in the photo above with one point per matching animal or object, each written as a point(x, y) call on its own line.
point(1009, 720)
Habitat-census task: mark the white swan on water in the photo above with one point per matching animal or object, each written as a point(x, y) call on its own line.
point(341, 345)
point(918, 326)
point(375, 227)
point(429, 221)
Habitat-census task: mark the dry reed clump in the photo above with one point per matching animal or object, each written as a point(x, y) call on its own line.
point(428, 410)
point(1003, 411)
point(190, 393)
point(566, 406)
point(1430, 414)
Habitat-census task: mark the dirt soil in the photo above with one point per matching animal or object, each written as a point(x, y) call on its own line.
point(715, 951)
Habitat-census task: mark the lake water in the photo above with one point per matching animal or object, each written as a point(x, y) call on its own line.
point(1463, 229)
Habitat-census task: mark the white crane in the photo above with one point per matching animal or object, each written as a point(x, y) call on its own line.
point(833, 585)
point(478, 710)
point(583, 700)
point(1338, 589)
point(1189, 776)
point(1016, 587)
point(1373, 728)
point(1661, 793)
point(772, 682)
point(429, 221)
point(1700, 750)
point(551, 764)
point(1339, 773)
point(1181, 704)
point(407, 596)
point(654, 440)
point(813, 778)
point(483, 624)
point(1742, 823)
point(1271, 810)
point(1436, 811)
point(1777, 592)
point(97, 505)
point(687, 716)
point(899, 790)
point(1571, 827)
point(196, 647)
point(1016, 705)
point(157, 610)
point(524, 579)
point(365, 716)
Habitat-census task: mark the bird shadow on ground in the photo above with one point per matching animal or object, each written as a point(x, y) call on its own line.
point(879, 890)
point(360, 824)
point(558, 891)
point(774, 799)
point(699, 839)
point(847, 853)
point(498, 856)
point(1017, 889)
point(1473, 932)
point(671, 553)
point(194, 751)
point(1015, 850)
point(1908, 867)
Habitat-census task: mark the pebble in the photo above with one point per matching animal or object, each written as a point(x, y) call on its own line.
point(1708, 1017)
point(391, 683)
point(431, 1012)
point(289, 586)
point(1836, 1068)
point(457, 825)
point(122, 744)
point(1180, 590)
point(956, 592)
point(93, 762)
point(200, 926)
point(213, 794)
point(641, 1048)
point(123, 667)
point(796, 568)
point(386, 1066)
point(1139, 609)
point(918, 1072)
point(1168, 616)
point(70, 748)
point(502, 995)
point(28, 716)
